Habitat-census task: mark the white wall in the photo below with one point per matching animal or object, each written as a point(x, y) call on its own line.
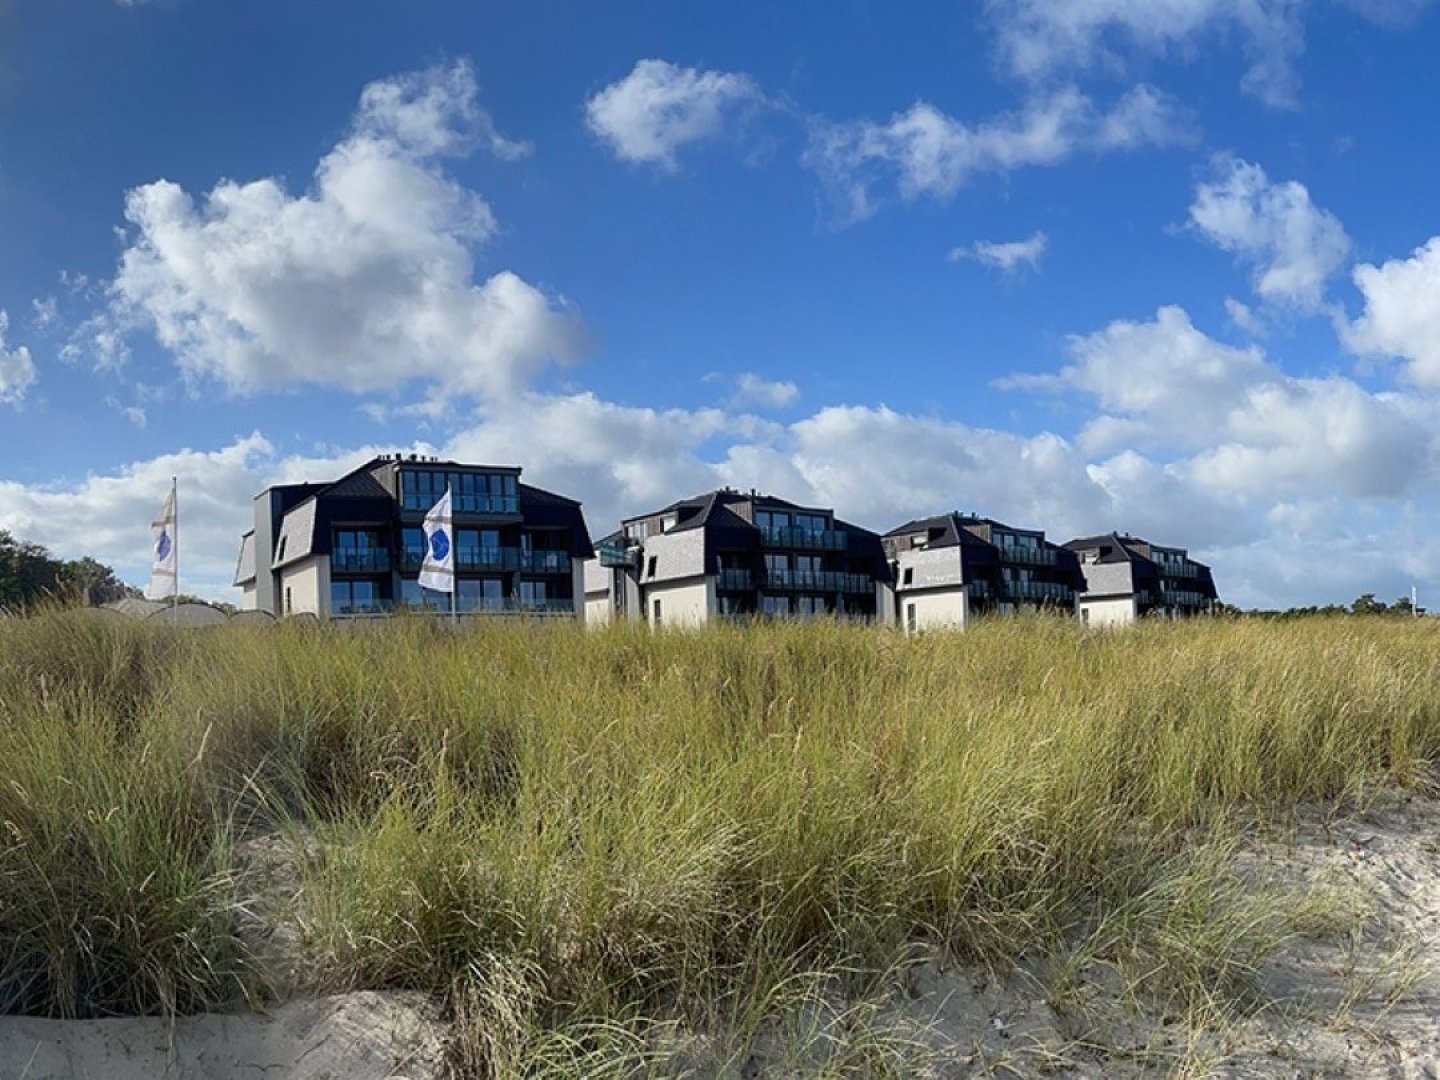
point(682, 603)
point(249, 600)
point(308, 582)
point(598, 610)
point(942, 609)
point(1115, 611)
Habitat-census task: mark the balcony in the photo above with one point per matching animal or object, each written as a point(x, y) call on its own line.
point(808, 539)
point(545, 562)
point(493, 559)
point(618, 554)
point(472, 607)
point(1028, 556)
point(466, 504)
point(1177, 568)
point(1039, 591)
point(1184, 598)
point(829, 581)
point(979, 590)
point(367, 561)
point(735, 580)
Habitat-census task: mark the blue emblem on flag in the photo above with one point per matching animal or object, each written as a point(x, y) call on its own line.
point(162, 545)
point(439, 545)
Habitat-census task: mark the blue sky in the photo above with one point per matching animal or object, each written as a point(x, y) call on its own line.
point(1157, 266)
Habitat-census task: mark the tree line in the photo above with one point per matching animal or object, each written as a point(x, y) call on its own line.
point(29, 574)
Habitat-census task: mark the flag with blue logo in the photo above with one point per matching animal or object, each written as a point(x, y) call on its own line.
point(164, 573)
point(438, 570)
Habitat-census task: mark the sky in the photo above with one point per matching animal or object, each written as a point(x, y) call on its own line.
point(1170, 267)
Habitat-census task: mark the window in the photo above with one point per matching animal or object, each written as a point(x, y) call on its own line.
point(289, 607)
point(280, 555)
point(1085, 616)
point(810, 522)
point(655, 618)
point(776, 605)
point(777, 561)
point(533, 594)
point(668, 522)
point(910, 618)
point(635, 530)
point(909, 578)
point(353, 597)
point(650, 568)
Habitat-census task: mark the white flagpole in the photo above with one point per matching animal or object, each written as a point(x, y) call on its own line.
point(175, 596)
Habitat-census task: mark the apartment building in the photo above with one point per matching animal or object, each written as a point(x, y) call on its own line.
point(1127, 578)
point(730, 554)
point(953, 567)
point(353, 548)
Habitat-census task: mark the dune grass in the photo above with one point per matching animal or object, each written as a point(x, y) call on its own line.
point(584, 843)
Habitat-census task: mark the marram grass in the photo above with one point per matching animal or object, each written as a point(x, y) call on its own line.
point(580, 841)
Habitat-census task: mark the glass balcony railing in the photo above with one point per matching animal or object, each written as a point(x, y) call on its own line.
point(1177, 568)
point(809, 539)
point(817, 581)
point(499, 559)
point(1029, 556)
point(1183, 598)
point(735, 580)
point(617, 553)
point(545, 562)
point(979, 590)
point(367, 561)
point(465, 606)
point(1039, 590)
point(466, 504)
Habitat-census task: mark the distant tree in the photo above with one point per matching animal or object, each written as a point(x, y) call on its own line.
point(1366, 604)
point(93, 582)
point(29, 573)
point(1402, 607)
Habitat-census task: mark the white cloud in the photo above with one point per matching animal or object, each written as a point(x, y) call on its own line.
point(365, 282)
point(1292, 244)
point(1040, 38)
point(17, 370)
point(1254, 433)
point(108, 516)
point(1402, 312)
point(923, 151)
point(660, 107)
point(1005, 257)
point(753, 389)
point(46, 313)
point(1244, 317)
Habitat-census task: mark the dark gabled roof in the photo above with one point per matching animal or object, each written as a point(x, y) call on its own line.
point(360, 484)
point(1119, 549)
point(952, 531)
point(541, 507)
point(245, 565)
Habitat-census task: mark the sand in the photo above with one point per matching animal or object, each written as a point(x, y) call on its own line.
point(1359, 998)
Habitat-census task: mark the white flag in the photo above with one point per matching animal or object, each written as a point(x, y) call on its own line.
point(438, 570)
point(164, 575)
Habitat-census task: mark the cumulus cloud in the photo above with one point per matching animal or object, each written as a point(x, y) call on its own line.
point(17, 370)
point(1244, 317)
point(364, 282)
point(923, 151)
point(1252, 431)
point(659, 107)
point(753, 389)
point(1006, 257)
point(108, 516)
point(1402, 312)
point(1040, 38)
point(1292, 245)
point(1281, 442)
